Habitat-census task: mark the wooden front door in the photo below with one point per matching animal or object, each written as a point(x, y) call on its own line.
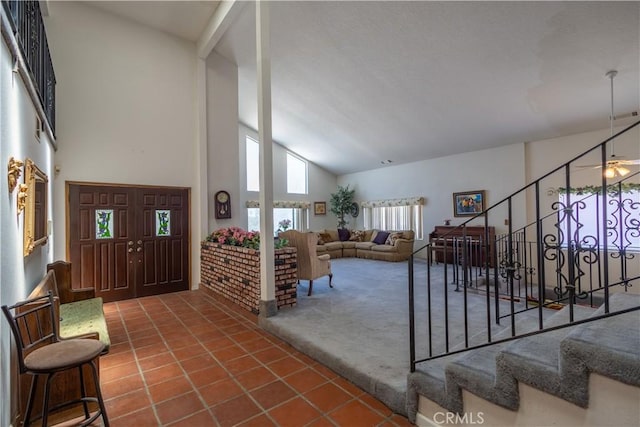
point(128, 242)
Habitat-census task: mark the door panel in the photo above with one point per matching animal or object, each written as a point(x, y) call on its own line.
point(133, 261)
point(100, 262)
point(160, 274)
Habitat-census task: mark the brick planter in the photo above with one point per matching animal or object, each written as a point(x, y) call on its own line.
point(234, 273)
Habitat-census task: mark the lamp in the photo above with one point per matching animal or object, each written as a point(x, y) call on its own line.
point(615, 170)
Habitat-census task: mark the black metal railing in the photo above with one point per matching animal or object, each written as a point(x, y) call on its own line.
point(567, 242)
point(29, 32)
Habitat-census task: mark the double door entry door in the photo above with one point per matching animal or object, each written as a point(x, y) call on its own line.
point(128, 242)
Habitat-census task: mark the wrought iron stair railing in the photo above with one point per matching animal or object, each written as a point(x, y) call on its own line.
point(568, 241)
point(27, 28)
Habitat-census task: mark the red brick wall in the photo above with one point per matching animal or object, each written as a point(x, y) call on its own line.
point(234, 273)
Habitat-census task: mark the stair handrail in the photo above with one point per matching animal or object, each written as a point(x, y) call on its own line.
point(537, 181)
point(571, 279)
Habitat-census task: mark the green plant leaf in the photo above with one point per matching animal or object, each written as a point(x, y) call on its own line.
point(340, 203)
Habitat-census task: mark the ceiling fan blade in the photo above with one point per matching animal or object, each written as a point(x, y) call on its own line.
point(629, 162)
point(612, 162)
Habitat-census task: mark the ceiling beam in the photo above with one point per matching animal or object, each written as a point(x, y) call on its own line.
point(222, 18)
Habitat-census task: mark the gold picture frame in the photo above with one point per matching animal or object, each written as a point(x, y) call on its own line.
point(319, 208)
point(35, 207)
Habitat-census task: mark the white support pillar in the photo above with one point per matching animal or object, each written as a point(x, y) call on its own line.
point(199, 217)
point(268, 305)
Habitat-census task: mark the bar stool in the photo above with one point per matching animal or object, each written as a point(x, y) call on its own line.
point(41, 351)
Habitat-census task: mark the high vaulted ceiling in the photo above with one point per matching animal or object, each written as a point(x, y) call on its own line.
point(356, 83)
point(183, 18)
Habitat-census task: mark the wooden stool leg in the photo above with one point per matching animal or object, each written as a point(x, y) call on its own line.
point(310, 287)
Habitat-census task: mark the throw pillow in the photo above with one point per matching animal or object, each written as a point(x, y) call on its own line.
point(391, 240)
point(357, 236)
point(326, 237)
point(381, 238)
point(320, 240)
point(343, 234)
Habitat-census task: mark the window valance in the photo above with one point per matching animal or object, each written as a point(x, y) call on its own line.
point(612, 189)
point(281, 204)
point(406, 201)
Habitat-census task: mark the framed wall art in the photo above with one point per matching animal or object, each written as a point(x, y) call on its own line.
point(468, 203)
point(319, 208)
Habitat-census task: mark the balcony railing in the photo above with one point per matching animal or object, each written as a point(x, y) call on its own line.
point(29, 32)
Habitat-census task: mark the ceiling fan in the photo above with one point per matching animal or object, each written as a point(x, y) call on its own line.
point(615, 165)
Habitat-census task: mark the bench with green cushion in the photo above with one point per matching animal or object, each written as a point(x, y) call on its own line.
point(82, 318)
point(80, 312)
point(80, 315)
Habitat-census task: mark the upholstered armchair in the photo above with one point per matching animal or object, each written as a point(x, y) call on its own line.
point(311, 266)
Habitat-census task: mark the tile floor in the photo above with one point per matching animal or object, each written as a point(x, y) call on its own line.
point(192, 358)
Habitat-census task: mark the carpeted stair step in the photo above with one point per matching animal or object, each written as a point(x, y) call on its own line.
point(609, 347)
point(535, 360)
point(429, 380)
point(477, 372)
point(442, 380)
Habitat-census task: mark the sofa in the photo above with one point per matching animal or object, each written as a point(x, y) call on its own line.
point(368, 244)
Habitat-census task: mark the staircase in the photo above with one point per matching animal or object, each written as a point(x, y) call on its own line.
point(557, 362)
point(578, 247)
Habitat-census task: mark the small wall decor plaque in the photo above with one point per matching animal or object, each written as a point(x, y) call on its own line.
point(319, 208)
point(355, 209)
point(14, 171)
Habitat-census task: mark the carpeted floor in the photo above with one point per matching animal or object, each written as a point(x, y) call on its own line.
point(360, 328)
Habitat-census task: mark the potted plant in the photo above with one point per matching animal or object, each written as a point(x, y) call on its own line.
point(340, 203)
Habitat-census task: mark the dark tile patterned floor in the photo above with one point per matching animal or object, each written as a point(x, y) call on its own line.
point(192, 358)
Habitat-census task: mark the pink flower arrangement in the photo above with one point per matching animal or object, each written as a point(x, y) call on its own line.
point(235, 236)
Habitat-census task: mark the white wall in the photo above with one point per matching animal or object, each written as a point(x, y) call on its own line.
point(499, 171)
point(18, 275)
point(222, 135)
point(126, 105)
point(321, 183)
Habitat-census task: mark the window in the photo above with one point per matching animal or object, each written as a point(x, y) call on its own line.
point(395, 218)
point(253, 164)
point(296, 175)
point(299, 218)
point(587, 211)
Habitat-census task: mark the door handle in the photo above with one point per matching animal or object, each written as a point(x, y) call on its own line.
point(139, 250)
point(139, 242)
point(130, 242)
point(130, 250)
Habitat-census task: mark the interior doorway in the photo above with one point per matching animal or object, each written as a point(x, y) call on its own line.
point(128, 241)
